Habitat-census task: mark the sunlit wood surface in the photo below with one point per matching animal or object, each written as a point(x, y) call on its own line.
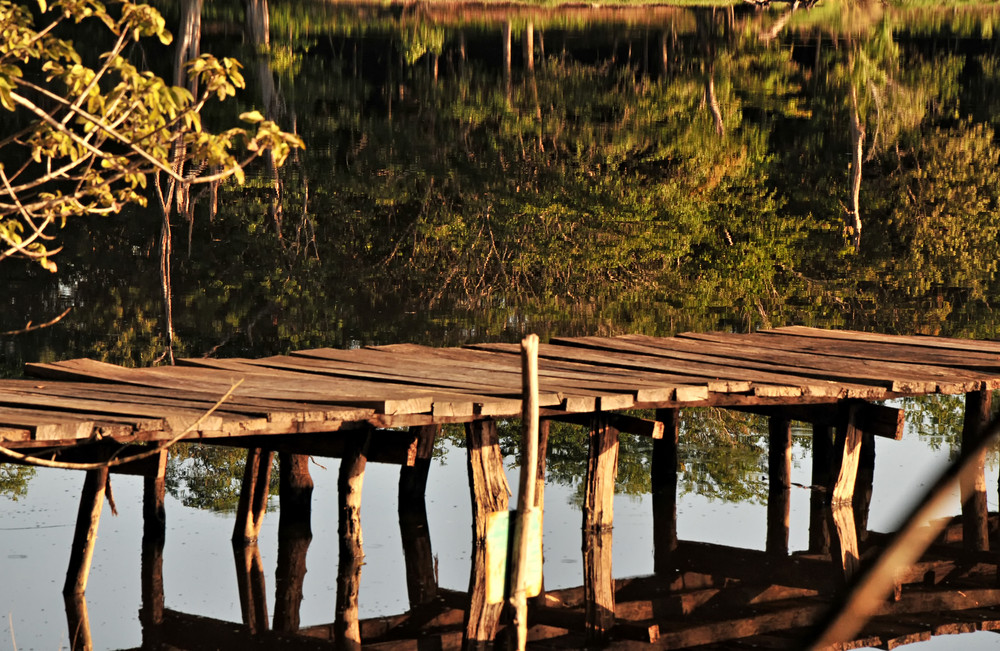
point(329, 390)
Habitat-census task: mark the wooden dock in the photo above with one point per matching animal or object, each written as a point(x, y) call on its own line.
point(328, 390)
point(388, 403)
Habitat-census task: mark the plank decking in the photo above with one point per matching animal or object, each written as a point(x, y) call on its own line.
point(328, 390)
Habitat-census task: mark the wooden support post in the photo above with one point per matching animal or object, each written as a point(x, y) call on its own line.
point(78, 622)
point(663, 477)
point(289, 578)
point(975, 532)
point(822, 467)
point(543, 447)
point(153, 539)
point(250, 582)
point(779, 484)
point(845, 550)
point(295, 488)
point(521, 543)
point(598, 519)
point(85, 536)
point(421, 583)
point(847, 453)
point(864, 484)
point(529, 46)
point(253, 496)
point(490, 492)
point(347, 627)
point(294, 537)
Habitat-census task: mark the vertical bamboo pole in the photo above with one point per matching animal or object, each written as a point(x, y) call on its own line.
point(85, 536)
point(779, 484)
point(975, 532)
point(526, 487)
point(347, 627)
point(663, 477)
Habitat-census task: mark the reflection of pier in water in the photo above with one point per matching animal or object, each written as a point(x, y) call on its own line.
point(700, 594)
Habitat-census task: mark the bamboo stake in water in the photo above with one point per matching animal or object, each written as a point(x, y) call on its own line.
point(526, 488)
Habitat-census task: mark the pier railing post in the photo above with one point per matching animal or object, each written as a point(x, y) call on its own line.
point(598, 520)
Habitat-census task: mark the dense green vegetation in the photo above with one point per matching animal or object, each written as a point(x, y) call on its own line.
point(474, 176)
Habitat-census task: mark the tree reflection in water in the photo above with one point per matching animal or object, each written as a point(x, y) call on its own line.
point(667, 171)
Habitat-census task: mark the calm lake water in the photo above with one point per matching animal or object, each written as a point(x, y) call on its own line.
point(474, 175)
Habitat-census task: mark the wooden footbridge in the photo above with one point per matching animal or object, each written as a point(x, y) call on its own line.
point(387, 403)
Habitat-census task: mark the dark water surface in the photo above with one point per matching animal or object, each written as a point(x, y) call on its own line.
point(649, 171)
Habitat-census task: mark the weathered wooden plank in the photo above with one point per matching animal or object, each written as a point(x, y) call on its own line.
point(622, 422)
point(254, 385)
point(563, 375)
point(466, 380)
point(501, 362)
point(974, 345)
point(443, 402)
point(757, 372)
point(887, 351)
point(388, 446)
point(14, 434)
point(47, 426)
point(575, 392)
point(898, 377)
point(273, 410)
point(148, 417)
point(450, 398)
point(624, 354)
point(878, 420)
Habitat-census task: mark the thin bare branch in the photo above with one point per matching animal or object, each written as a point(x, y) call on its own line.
point(38, 461)
point(30, 326)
